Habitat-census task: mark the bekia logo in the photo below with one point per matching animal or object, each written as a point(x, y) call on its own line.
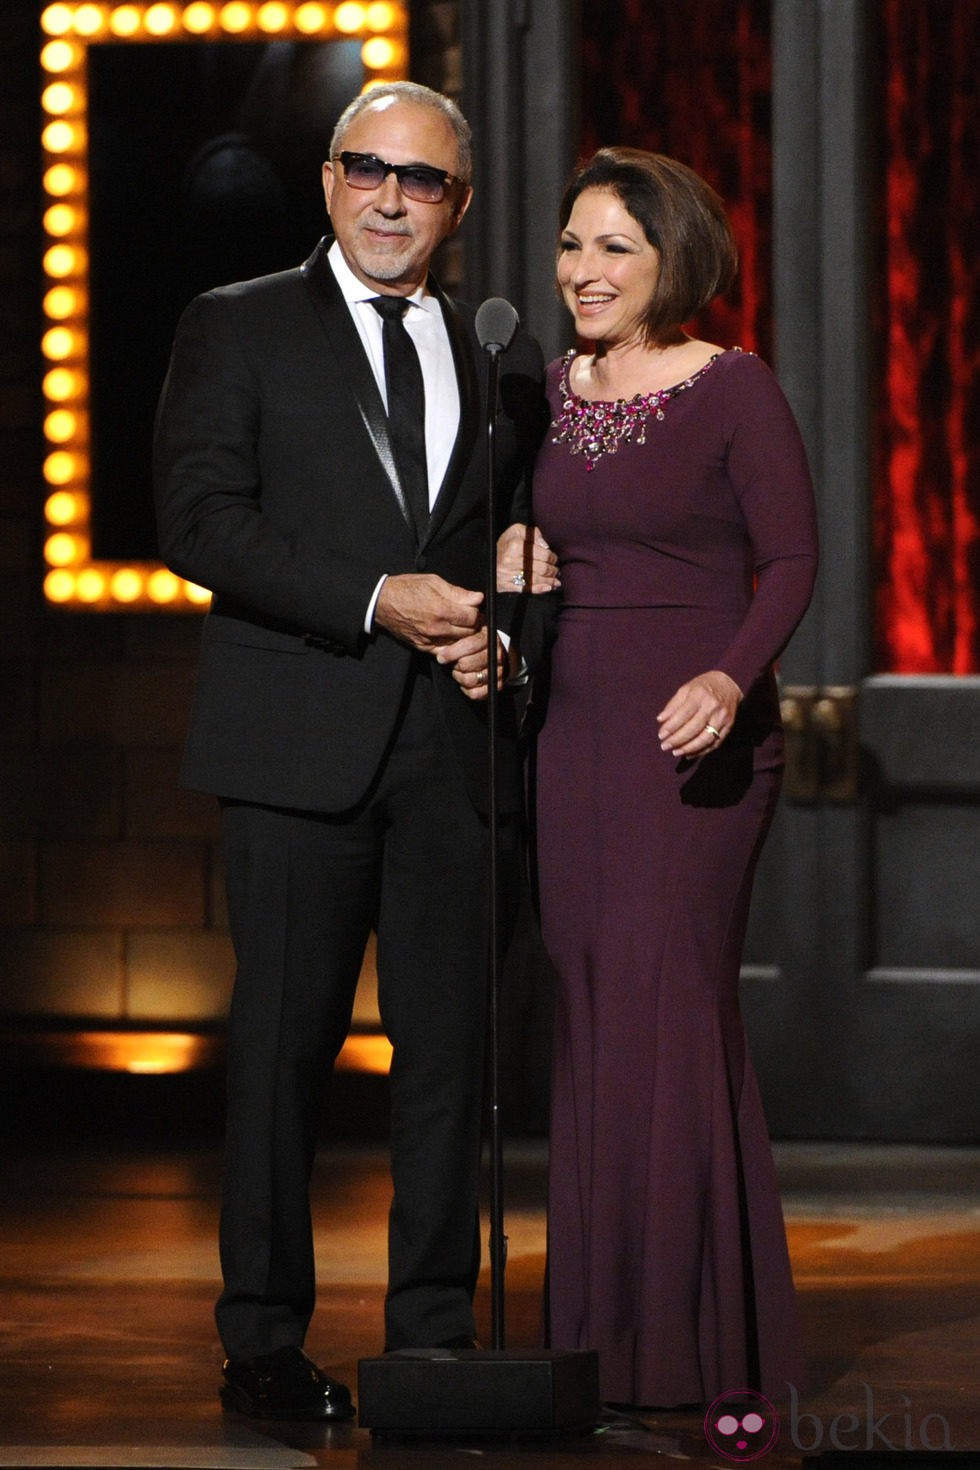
point(741, 1425)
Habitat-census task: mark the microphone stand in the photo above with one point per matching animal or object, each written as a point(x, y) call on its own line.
point(498, 1239)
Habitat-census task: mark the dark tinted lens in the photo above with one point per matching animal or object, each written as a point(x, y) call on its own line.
point(425, 184)
point(363, 173)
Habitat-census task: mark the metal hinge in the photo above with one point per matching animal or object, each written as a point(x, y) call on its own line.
point(823, 755)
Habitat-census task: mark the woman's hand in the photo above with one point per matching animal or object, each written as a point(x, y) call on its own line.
point(700, 715)
point(525, 561)
point(468, 657)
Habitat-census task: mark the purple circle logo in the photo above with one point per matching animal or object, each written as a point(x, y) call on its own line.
point(741, 1425)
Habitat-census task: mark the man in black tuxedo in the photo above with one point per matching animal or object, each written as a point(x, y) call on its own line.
point(338, 717)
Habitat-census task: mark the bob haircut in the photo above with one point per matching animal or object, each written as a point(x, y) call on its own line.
point(683, 219)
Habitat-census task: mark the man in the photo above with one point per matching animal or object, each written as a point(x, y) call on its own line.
point(331, 718)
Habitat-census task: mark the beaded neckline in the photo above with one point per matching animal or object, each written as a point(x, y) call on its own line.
point(597, 426)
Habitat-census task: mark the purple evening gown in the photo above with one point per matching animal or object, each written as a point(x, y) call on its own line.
point(694, 549)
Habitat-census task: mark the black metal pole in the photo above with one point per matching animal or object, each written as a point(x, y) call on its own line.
point(498, 1240)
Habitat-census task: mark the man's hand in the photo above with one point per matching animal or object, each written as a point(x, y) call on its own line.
point(469, 659)
point(525, 561)
point(425, 611)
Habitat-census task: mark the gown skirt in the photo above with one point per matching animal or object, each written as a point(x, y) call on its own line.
point(666, 1244)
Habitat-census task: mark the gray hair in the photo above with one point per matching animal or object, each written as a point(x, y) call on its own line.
point(422, 97)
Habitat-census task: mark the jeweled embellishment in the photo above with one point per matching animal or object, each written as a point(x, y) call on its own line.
point(594, 427)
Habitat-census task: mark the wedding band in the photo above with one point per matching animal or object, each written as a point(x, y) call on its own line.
point(518, 579)
point(715, 733)
point(481, 677)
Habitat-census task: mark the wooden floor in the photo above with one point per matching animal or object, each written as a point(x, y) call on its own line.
point(108, 1272)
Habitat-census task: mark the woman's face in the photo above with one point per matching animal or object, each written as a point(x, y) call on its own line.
point(607, 269)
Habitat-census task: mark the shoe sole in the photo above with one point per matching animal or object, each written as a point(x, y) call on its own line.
point(237, 1401)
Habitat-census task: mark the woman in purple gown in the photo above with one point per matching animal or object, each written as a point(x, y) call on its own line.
point(673, 487)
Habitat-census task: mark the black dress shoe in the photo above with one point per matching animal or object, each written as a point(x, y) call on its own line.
point(285, 1384)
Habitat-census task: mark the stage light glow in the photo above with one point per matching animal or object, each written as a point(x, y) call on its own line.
point(59, 343)
point(272, 17)
point(60, 219)
point(59, 97)
point(61, 508)
point(201, 596)
point(380, 17)
point(378, 53)
point(60, 426)
point(159, 20)
point(126, 585)
point(162, 586)
point(310, 19)
point(56, 20)
point(61, 179)
point(60, 136)
point(124, 21)
point(90, 585)
point(235, 17)
point(349, 17)
point(198, 18)
point(61, 549)
point(62, 384)
point(88, 20)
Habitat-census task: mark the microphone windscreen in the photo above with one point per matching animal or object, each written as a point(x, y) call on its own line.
point(496, 323)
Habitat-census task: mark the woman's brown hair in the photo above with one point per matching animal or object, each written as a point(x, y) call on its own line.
point(681, 216)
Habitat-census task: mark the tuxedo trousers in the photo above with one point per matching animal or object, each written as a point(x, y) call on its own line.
point(304, 891)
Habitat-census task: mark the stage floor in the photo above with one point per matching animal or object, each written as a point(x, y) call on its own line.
point(109, 1270)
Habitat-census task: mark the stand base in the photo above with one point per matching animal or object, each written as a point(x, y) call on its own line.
point(436, 1391)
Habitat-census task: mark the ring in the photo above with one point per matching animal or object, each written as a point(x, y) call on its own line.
point(481, 677)
point(715, 733)
point(518, 579)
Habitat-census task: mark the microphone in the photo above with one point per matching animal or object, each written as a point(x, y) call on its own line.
point(496, 323)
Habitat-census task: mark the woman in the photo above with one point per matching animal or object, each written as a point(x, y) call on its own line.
point(674, 489)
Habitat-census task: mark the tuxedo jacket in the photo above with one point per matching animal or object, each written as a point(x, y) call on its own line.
point(276, 488)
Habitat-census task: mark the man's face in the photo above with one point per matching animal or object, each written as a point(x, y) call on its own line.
point(388, 240)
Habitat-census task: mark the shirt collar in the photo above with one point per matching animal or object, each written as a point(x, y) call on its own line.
point(354, 290)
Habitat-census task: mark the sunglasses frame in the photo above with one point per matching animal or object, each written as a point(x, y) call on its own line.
point(444, 179)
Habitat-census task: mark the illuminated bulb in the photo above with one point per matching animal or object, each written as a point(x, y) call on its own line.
point(56, 20)
point(88, 20)
point(159, 20)
point(235, 17)
point(90, 585)
point(310, 19)
point(126, 584)
point(61, 508)
point(59, 136)
point(349, 17)
point(377, 53)
point(272, 17)
point(61, 260)
point(60, 219)
point(162, 585)
point(61, 549)
point(198, 18)
point(60, 426)
point(59, 586)
point(61, 179)
point(61, 384)
point(61, 302)
point(380, 17)
point(59, 97)
point(193, 593)
point(58, 343)
point(124, 20)
point(58, 56)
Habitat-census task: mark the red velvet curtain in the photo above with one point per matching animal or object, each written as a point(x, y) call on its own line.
point(927, 456)
point(692, 79)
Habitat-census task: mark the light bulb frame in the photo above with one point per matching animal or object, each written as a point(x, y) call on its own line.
point(76, 581)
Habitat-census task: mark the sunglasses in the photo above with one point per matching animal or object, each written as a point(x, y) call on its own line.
point(417, 181)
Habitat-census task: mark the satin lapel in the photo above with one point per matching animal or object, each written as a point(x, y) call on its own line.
point(345, 344)
point(469, 409)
